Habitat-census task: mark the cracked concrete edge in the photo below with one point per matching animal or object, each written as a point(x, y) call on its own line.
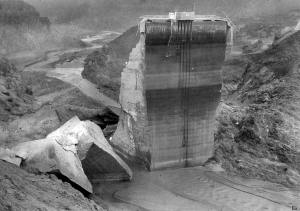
point(46, 155)
point(10, 156)
point(105, 146)
point(83, 134)
point(129, 136)
point(61, 151)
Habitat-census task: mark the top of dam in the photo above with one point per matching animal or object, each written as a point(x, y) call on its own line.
point(204, 28)
point(175, 16)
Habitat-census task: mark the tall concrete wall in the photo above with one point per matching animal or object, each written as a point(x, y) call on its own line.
point(154, 126)
point(181, 105)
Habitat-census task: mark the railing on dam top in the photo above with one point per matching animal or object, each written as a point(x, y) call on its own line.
point(205, 28)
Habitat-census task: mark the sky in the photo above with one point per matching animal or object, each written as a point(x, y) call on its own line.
point(115, 13)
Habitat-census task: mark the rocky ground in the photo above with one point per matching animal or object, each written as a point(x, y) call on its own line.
point(104, 66)
point(16, 99)
point(258, 120)
point(24, 191)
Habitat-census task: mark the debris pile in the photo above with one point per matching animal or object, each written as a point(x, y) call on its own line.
point(78, 150)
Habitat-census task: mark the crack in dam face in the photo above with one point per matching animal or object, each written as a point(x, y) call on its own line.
point(170, 90)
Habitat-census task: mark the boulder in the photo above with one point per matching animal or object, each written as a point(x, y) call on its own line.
point(99, 160)
point(49, 155)
point(76, 149)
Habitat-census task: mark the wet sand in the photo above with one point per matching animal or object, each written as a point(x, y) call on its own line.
point(194, 189)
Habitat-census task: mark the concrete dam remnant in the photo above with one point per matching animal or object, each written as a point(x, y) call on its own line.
point(170, 90)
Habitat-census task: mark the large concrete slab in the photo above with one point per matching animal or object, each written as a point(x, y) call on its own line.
point(48, 156)
point(99, 160)
point(78, 150)
point(181, 106)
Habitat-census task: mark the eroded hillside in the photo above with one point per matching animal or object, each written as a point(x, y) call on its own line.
point(15, 96)
point(258, 122)
point(104, 66)
point(24, 191)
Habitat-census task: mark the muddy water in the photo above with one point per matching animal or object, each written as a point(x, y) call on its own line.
point(182, 93)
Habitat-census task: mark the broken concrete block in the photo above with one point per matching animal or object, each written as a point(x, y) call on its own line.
point(64, 149)
point(9, 156)
point(48, 155)
point(99, 160)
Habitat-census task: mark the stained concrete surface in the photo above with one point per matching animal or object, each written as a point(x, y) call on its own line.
point(165, 117)
point(182, 86)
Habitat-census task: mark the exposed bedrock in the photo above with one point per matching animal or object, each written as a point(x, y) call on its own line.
point(258, 132)
point(104, 66)
point(14, 98)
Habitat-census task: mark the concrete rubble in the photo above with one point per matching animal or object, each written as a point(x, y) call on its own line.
point(9, 156)
point(98, 157)
point(78, 150)
point(47, 155)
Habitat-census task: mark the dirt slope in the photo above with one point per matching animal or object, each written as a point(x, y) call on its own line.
point(15, 97)
point(258, 121)
point(103, 67)
point(23, 191)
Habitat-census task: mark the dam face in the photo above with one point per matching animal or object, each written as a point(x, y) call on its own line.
point(182, 89)
point(181, 104)
point(170, 90)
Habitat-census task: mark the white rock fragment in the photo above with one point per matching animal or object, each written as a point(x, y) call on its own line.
point(76, 149)
point(99, 160)
point(297, 27)
point(47, 155)
point(9, 156)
